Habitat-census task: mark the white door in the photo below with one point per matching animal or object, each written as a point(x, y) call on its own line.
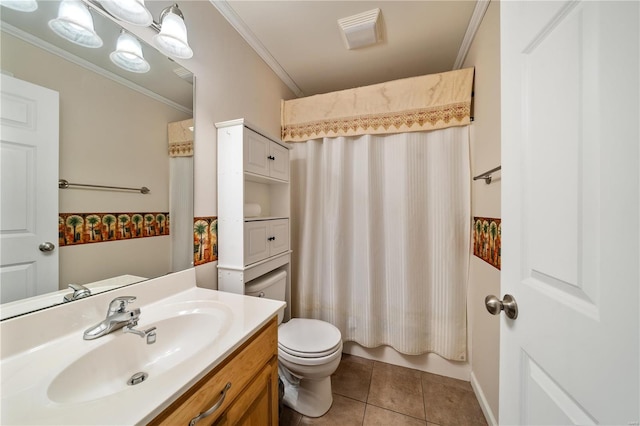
point(570, 182)
point(29, 189)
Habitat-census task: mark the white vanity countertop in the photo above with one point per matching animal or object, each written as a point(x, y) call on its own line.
point(33, 354)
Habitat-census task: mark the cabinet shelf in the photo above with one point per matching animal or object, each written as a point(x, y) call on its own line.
point(261, 218)
point(252, 177)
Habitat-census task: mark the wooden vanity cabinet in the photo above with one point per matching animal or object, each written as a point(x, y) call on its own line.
point(252, 398)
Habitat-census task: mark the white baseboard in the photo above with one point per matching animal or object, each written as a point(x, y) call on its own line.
point(482, 400)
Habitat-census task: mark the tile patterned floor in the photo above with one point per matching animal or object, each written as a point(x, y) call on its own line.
point(371, 393)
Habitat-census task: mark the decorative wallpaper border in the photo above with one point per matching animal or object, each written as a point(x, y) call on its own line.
point(487, 240)
point(85, 228)
point(205, 239)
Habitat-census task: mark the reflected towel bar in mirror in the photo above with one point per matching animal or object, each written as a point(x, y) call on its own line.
point(64, 184)
point(487, 175)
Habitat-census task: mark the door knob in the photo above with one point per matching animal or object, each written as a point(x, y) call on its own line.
point(508, 305)
point(47, 246)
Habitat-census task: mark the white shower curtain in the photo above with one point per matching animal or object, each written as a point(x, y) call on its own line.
point(181, 212)
point(380, 232)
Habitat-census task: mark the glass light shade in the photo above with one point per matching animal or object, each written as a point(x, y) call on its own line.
point(20, 5)
point(128, 54)
point(74, 23)
point(131, 11)
point(172, 39)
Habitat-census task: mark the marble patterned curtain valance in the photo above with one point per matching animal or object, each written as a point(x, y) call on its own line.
point(429, 102)
point(181, 138)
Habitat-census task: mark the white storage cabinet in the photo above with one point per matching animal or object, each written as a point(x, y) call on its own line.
point(253, 168)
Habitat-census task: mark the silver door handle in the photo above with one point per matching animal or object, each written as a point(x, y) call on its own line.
point(508, 305)
point(47, 246)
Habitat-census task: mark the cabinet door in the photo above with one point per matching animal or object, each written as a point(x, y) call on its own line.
point(256, 243)
point(257, 151)
point(279, 159)
point(279, 234)
point(265, 238)
point(258, 404)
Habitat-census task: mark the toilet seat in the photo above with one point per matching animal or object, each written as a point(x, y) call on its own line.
point(308, 338)
point(282, 355)
point(308, 354)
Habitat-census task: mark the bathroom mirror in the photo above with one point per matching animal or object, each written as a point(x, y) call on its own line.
point(113, 132)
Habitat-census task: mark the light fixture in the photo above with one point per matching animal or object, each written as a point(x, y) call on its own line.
point(20, 5)
point(172, 38)
point(361, 30)
point(128, 54)
point(131, 11)
point(74, 23)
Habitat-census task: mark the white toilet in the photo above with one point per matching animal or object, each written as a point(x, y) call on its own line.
point(309, 352)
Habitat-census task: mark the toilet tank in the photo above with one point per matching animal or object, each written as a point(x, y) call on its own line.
point(271, 286)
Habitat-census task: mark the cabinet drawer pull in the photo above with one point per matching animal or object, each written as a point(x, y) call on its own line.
point(210, 411)
point(271, 238)
point(271, 157)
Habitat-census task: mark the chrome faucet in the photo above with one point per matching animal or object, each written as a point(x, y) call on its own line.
point(79, 291)
point(117, 318)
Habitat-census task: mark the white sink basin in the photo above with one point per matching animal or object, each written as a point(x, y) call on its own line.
point(105, 370)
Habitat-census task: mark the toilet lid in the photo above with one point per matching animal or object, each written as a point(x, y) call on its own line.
point(308, 337)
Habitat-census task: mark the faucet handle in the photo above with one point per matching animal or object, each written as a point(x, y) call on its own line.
point(79, 291)
point(119, 304)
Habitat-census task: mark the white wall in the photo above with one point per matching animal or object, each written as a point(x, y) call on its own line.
point(105, 140)
point(232, 81)
point(484, 279)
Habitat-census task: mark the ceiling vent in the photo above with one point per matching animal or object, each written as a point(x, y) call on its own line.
point(361, 30)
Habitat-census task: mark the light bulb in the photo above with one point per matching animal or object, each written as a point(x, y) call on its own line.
point(131, 11)
point(172, 39)
point(74, 23)
point(128, 54)
point(20, 5)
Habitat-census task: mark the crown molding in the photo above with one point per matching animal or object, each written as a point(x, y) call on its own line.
point(236, 22)
point(474, 23)
point(55, 50)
